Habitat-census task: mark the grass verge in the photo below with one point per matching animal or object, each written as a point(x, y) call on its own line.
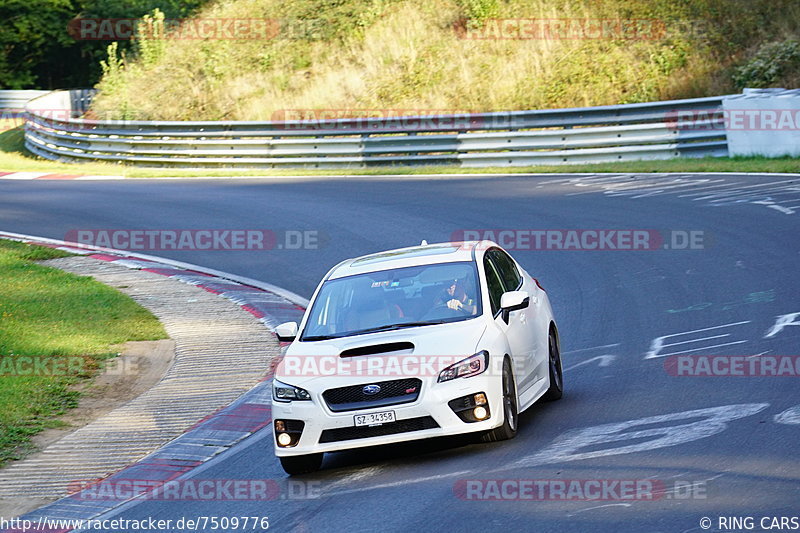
point(56, 329)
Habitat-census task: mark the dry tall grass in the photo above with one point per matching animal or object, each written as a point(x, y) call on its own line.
point(407, 54)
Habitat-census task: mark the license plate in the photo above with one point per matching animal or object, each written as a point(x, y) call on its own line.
point(374, 419)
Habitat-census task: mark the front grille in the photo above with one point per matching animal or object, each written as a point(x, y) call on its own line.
point(365, 432)
point(352, 397)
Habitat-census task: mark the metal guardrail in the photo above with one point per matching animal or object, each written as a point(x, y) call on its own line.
point(15, 100)
point(54, 130)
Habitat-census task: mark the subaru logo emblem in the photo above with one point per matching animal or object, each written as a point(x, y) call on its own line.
point(371, 390)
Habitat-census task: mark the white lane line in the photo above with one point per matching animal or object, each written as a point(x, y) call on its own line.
point(696, 340)
point(701, 349)
point(674, 189)
point(629, 191)
point(645, 186)
point(359, 475)
point(599, 180)
point(709, 329)
point(666, 190)
point(770, 184)
point(739, 190)
point(792, 189)
point(677, 183)
point(654, 190)
point(739, 187)
point(599, 507)
point(636, 184)
point(564, 180)
point(580, 181)
point(751, 194)
point(784, 210)
point(605, 360)
point(594, 187)
point(790, 416)
point(403, 482)
point(706, 189)
point(786, 192)
point(695, 183)
point(658, 343)
point(591, 348)
point(593, 191)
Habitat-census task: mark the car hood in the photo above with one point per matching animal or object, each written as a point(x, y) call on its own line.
point(420, 351)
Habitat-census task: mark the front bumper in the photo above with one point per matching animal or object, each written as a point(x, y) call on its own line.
point(432, 403)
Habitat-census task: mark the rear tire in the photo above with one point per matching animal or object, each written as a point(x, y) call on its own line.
point(556, 389)
point(301, 464)
point(508, 430)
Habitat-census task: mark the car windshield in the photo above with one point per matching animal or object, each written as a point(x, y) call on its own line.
point(394, 299)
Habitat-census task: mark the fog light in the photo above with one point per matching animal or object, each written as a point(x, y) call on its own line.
point(284, 439)
point(471, 408)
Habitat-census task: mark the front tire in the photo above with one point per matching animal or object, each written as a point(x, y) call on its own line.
point(301, 464)
point(556, 389)
point(508, 430)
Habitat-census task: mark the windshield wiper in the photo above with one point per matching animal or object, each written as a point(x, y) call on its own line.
point(399, 325)
point(385, 327)
point(312, 338)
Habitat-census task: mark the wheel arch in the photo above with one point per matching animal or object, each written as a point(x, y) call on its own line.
point(553, 329)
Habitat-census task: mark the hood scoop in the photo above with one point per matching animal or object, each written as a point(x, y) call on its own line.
point(375, 349)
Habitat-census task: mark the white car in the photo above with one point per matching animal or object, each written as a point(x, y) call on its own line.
point(407, 344)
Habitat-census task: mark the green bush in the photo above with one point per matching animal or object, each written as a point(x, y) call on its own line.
point(150, 40)
point(479, 10)
point(772, 62)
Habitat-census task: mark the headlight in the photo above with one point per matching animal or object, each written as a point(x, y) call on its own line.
point(471, 366)
point(281, 392)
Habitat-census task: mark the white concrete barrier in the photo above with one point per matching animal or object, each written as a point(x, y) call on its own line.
point(763, 122)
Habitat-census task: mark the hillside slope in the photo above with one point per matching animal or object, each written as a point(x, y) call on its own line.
point(454, 55)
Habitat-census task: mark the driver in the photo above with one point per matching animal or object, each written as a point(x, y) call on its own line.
point(455, 297)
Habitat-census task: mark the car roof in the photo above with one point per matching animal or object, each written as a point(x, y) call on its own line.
point(427, 254)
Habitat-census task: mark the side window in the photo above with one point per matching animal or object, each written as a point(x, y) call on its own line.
point(507, 269)
point(493, 283)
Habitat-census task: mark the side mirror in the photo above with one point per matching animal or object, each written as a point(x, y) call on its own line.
point(513, 301)
point(287, 331)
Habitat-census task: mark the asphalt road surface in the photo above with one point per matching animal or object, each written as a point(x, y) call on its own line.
point(721, 279)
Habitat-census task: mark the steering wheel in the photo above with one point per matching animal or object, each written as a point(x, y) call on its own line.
point(443, 305)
